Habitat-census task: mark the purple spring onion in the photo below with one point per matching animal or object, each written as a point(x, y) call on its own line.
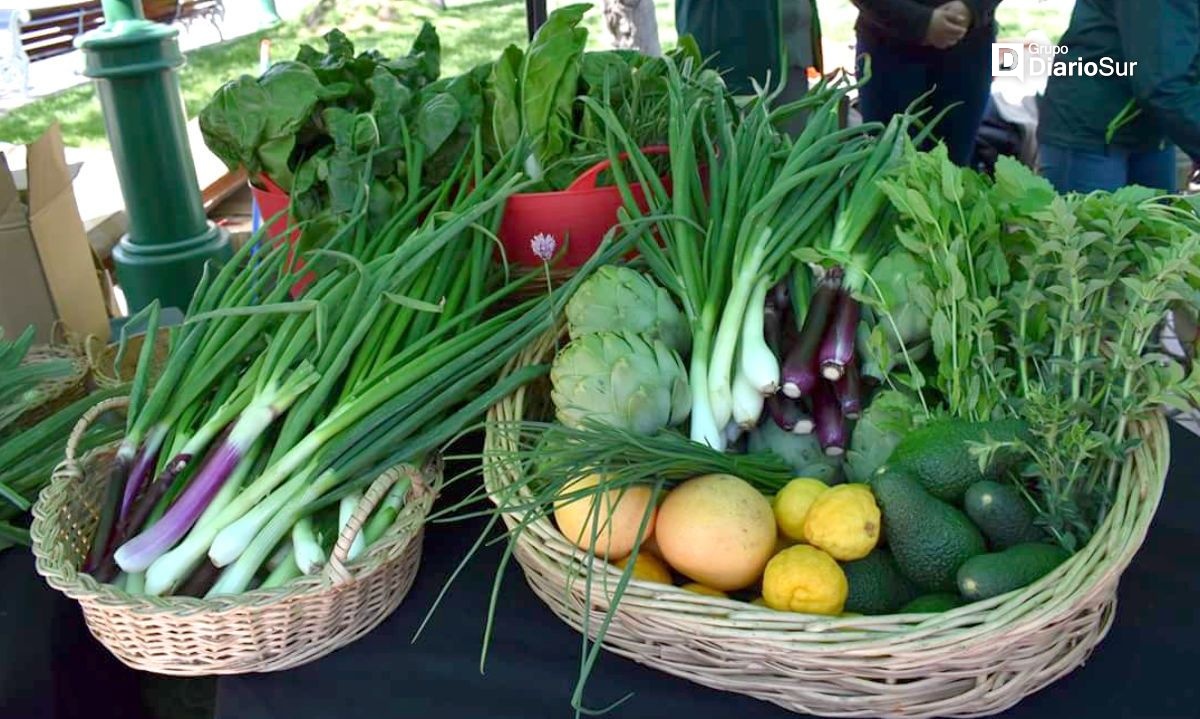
point(787, 413)
point(837, 347)
point(143, 467)
point(138, 553)
point(831, 425)
point(848, 390)
point(107, 525)
point(800, 365)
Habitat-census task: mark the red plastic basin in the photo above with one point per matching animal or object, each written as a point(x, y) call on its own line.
point(273, 201)
point(580, 216)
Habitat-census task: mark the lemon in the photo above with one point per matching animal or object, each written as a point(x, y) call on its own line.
point(844, 521)
point(805, 579)
point(698, 588)
point(647, 568)
point(792, 504)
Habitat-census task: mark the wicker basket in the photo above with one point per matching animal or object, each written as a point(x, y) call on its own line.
point(258, 631)
point(54, 394)
point(972, 661)
point(107, 372)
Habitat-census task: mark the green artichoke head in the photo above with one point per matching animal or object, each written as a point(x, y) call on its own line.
point(621, 379)
point(618, 299)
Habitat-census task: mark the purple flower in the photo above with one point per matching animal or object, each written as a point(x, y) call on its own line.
point(543, 245)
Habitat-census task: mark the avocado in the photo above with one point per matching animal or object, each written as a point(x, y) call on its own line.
point(990, 575)
point(1004, 516)
point(931, 603)
point(929, 538)
point(939, 456)
point(876, 584)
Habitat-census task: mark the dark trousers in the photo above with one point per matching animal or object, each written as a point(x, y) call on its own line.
point(959, 76)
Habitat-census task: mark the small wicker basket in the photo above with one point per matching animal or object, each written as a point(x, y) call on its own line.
point(54, 394)
point(107, 372)
point(972, 661)
point(258, 631)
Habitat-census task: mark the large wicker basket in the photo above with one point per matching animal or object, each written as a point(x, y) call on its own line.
point(973, 661)
point(258, 631)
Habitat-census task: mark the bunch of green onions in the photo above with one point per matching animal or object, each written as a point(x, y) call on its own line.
point(743, 198)
point(28, 457)
point(20, 378)
point(270, 416)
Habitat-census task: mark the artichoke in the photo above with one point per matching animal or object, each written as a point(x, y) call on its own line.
point(889, 416)
point(618, 299)
point(621, 379)
point(802, 452)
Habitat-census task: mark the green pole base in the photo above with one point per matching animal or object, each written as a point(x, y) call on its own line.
point(167, 272)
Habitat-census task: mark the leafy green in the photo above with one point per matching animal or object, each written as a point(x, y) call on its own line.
point(549, 81)
point(330, 123)
point(537, 94)
point(1047, 308)
point(504, 97)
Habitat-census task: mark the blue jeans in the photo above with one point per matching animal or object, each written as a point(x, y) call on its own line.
point(1074, 170)
point(959, 76)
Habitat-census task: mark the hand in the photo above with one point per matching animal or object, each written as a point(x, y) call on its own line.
point(948, 24)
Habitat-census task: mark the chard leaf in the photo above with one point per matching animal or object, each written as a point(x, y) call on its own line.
point(549, 81)
point(232, 123)
point(504, 95)
point(437, 119)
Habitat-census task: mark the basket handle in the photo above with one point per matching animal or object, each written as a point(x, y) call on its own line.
point(89, 417)
point(336, 566)
point(587, 181)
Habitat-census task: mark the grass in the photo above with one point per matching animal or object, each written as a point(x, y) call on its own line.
point(470, 33)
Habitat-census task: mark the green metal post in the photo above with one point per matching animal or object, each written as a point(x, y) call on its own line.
point(134, 62)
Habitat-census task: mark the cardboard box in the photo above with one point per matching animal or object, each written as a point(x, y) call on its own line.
point(48, 273)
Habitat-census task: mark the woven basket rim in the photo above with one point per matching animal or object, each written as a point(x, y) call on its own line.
point(80, 586)
point(1107, 553)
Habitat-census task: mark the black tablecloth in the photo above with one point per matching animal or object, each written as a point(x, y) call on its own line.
point(1140, 671)
point(51, 667)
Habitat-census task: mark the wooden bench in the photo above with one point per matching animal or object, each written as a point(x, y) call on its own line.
point(52, 30)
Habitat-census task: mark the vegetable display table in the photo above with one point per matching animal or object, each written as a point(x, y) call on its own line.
point(534, 657)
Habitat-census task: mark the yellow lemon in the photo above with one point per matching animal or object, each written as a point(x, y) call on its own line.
point(792, 503)
point(698, 588)
point(844, 521)
point(647, 568)
point(805, 579)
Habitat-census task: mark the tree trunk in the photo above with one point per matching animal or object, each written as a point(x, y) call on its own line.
point(631, 24)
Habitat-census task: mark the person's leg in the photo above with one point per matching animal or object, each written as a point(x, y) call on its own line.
point(963, 78)
point(1072, 170)
point(896, 79)
point(1155, 168)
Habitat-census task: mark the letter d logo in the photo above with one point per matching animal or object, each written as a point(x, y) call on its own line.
point(1006, 59)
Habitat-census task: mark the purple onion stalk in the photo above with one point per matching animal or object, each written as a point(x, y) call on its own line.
point(837, 347)
point(831, 425)
point(143, 466)
point(848, 390)
point(799, 370)
point(138, 553)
